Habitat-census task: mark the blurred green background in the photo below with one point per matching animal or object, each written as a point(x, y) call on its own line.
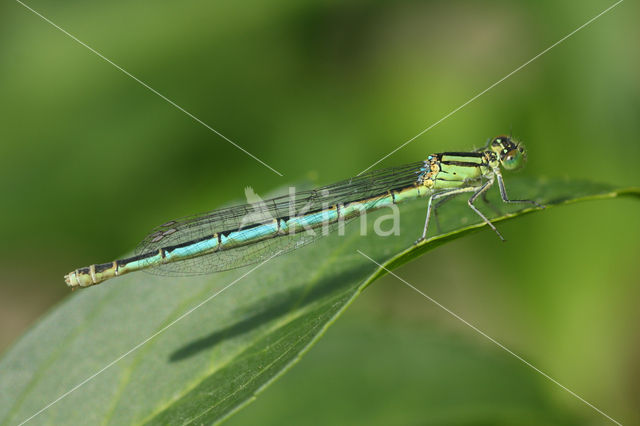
point(90, 160)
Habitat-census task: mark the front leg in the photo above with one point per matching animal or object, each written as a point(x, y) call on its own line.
point(503, 192)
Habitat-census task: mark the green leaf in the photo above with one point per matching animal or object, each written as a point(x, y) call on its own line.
point(218, 357)
point(370, 370)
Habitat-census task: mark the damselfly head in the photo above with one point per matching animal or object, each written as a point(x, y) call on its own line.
point(511, 153)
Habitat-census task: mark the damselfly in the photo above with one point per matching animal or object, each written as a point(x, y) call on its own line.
point(237, 236)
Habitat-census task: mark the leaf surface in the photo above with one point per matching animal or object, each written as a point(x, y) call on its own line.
point(146, 349)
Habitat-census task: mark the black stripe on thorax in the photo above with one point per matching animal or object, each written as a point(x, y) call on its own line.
point(460, 163)
point(464, 154)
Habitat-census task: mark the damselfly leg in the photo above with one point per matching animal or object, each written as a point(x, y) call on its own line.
point(503, 192)
point(445, 194)
point(450, 197)
point(475, 196)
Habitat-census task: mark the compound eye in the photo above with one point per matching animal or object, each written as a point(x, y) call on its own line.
point(512, 160)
